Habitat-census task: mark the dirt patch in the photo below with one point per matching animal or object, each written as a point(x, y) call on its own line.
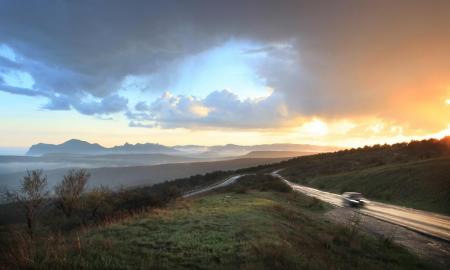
point(422, 245)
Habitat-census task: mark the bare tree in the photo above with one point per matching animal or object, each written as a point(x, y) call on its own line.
point(32, 195)
point(69, 191)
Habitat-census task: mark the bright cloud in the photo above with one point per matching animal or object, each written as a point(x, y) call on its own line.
point(219, 108)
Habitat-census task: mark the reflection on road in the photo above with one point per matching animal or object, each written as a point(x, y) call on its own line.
point(421, 221)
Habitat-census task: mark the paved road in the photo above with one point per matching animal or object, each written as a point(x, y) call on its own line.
point(227, 182)
point(421, 221)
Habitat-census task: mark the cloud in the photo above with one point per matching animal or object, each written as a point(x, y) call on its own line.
point(19, 90)
point(141, 106)
point(107, 105)
point(218, 109)
point(140, 125)
point(330, 59)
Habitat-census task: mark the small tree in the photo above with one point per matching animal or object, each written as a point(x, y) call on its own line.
point(32, 195)
point(69, 191)
point(96, 199)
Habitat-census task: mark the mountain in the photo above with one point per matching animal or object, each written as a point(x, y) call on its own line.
point(142, 148)
point(72, 146)
point(75, 146)
point(82, 147)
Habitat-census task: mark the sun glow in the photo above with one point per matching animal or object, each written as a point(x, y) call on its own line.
point(315, 127)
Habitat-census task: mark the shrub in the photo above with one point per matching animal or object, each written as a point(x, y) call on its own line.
point(69, 191)
point(32, 195)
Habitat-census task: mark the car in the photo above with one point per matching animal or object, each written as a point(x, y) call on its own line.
point(353, 199)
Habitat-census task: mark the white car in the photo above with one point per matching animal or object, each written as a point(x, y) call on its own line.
point(353, 199)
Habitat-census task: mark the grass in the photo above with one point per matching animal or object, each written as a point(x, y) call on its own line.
point(421, 184)
point(229, 230)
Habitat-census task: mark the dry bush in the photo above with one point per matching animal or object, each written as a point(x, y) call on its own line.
point(32, 195)
point(69, 191)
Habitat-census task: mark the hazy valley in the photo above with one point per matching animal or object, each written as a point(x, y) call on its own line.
point(141, 164)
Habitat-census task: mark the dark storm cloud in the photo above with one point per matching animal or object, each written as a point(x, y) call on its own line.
point(19, 90)
point(327, 58)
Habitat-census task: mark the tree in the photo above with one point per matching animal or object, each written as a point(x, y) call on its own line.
point(69, 191)
point(32, 195)
point(96, 199)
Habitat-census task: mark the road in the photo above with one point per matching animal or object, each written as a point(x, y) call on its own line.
point(227, 182)
point(421, 221)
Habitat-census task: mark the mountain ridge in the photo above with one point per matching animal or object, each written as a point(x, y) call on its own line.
point(75, 146)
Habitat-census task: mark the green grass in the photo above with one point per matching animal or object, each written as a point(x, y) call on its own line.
point(422, 184)
point(255, 230)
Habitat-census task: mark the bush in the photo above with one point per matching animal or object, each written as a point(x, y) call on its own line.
point(68, 192)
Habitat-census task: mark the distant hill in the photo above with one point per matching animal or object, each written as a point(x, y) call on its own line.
point(82, 147)
point(142, 148)
point(75, 146)
point(285, 147)
point(72, 146)
point(276, 154)
point(143, 175)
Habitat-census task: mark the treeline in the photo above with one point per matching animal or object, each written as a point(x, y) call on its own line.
point(365, 157)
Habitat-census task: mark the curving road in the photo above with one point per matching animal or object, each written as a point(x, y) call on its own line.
point(227, 182)
point(421, 221)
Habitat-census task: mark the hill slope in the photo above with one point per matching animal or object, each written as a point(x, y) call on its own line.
point(276, 154)
point(421, 184)
point(256, 230)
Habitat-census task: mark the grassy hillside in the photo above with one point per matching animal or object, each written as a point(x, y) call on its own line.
point(420, 184)
point(367, 157)
point(229, 229)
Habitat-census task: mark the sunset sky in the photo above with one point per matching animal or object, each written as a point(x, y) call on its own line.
point(344, 73)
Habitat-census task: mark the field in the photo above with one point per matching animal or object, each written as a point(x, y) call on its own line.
point(228, 229)
point(421, 184)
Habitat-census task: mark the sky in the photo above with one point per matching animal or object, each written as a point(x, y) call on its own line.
point(344, 73)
